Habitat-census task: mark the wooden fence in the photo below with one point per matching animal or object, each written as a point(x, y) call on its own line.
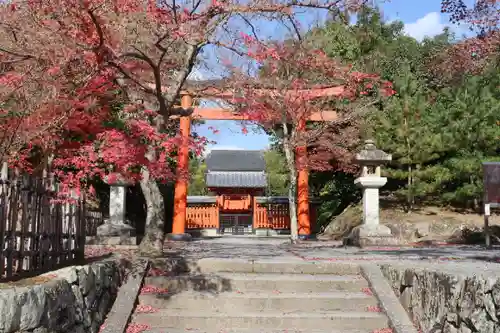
point(36, 234)
point(273, 216)
point(93, 219)
point(202, 216)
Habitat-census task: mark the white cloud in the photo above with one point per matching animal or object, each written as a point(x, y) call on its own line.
point(208, 149)
point(427, 26)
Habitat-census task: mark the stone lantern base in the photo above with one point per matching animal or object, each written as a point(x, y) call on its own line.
point(371, 235)
point(113, 232)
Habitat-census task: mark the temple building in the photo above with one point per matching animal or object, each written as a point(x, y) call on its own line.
point(238, 205)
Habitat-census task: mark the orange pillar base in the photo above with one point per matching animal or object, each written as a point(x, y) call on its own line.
point(181, 185)
point(304, 222)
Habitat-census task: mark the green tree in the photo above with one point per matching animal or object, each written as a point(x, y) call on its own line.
point(438, 144)
point(469, 118)
point(197, 185)
point(277, 173)
point(408, 128)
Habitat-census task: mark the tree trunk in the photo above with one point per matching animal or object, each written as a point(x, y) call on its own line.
point(292, 202)
point(154, 234)
point(409, 195)
point(292, 189)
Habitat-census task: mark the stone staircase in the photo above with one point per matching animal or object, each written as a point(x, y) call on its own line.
point(273, 296)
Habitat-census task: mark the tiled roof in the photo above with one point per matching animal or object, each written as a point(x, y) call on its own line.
point(236, 160)
point(236, 179)
point(201, 199)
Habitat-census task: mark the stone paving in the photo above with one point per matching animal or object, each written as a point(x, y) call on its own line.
point(245, 247)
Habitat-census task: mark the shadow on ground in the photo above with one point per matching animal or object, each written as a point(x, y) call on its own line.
point(176, 274)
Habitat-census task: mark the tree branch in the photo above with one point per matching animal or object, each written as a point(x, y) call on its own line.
point(16, 54)
point(173, 90)
point(230, 48)
point(98, 28)
point(247, 21)
point(131, 78)
point(295, 27)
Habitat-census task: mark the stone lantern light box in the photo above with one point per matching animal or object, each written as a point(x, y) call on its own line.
point(116, 230)
point(370, 180)
point(371, 159)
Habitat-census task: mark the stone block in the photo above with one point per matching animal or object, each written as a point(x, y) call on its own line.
point(20, 308)
point(405, 298)
point(449, 328)
point(444, 299)
point(206, 232)
point(372, 235)
point(86, 279)
point(76, 301)
point(111, 240)
point(113, 228)
point(70, 274)
point(265, 232)
point(60, 303)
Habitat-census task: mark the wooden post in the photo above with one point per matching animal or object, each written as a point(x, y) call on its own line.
point(181, 185)
point(487, 231)
point(304, 222)
point(5, 171)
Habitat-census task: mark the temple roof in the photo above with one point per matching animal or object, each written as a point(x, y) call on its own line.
point(236, 160)
point(236, 168)
point(247, 179)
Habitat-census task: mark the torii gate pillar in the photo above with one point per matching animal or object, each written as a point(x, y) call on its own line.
point(304, 222)
point(181, 184)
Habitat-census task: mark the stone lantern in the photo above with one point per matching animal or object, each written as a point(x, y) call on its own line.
point(115, 230)
point(371, 232)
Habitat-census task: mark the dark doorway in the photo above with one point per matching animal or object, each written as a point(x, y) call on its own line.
point(236, 224)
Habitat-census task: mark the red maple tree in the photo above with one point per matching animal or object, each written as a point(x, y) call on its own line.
point(475, 54)
point(292, 70)
point(95, 83)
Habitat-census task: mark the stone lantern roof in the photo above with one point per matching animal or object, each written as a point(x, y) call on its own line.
point(372, 156)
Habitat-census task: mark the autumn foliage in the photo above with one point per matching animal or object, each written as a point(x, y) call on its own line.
point(94, 83)
point(61, 63)
point(479, 52)
point(305, 82)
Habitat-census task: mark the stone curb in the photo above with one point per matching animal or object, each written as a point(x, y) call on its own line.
point(119, 316)
point(399, 320)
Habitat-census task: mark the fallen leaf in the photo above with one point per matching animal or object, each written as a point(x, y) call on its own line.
point(137, 328)
point(150, 289)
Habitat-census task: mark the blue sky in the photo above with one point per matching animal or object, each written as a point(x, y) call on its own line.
point(422, 18)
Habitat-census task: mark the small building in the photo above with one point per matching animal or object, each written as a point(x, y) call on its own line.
point(238, 181)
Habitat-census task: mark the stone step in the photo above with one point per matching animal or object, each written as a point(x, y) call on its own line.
point(234, 330)
point(263, 320)
point(215, 265)
point(260, 301)
point(222, 282)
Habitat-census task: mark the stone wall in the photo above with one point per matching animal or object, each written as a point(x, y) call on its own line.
point(74, 299)
point(448, 297)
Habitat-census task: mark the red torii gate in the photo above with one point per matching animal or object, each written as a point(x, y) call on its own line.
point(181, 185)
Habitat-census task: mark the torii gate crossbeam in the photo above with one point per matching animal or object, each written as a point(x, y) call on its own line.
point(181, 185)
